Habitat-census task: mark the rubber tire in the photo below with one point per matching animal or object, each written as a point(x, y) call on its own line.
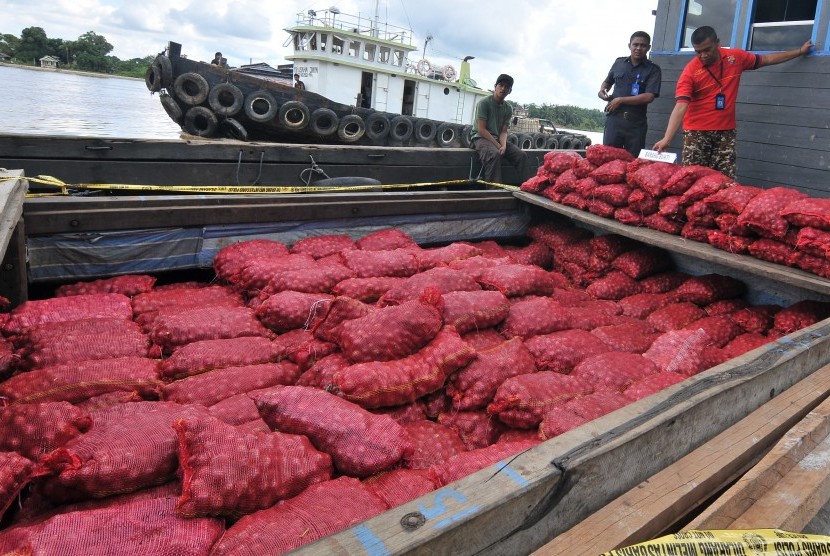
point(166, 67)
point(191, 88)
point(172, 108)
point(220, 93)
point(513, 138)
point(254, 104)
point(294, 115)
point(586, 142)
point(233, 129)
point(552, 143)
point(424, 130)
point(345, 181)
point(524, 141)
point(345, 131)
point(539, 140)
point(152, 78)
point(318, 119)
point(400, 128)
point(197, 115)
point(447, 135)
point(576, 144)
point(466, 132)
point(377, 127)
point(566, 142)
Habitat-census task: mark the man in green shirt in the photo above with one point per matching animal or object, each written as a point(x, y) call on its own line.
point(490, 132)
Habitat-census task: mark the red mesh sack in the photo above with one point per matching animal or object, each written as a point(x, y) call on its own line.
point(534, 316)
point(320, 278)
point(319, 511)
point(732, 200)
point(187, 285)
point(628, 217)
point(663, 224)
point(813, 241)
point(256, 273)
point(206, 355)
point(585, 187)
point(288, 310)
point(613, 371)
point(632, 337)
point(671, 207)
point(359, 442)
point(227, 472)
point(230, 260)
point(612, 171)
point(483, 339)
point(575, 200)
point(85, 347)
point(432, 443)
point(614, 285)
point(610, 246)
point(474, 310)
point(635, 165)
point(701, 214)
point(706, 289)
point(339, 311)
point(557, 235)
point(651, 385)
point(140, 526)
point(704, 187)
point(557, 162)
point(521, 401)
point(684, 178)
point(366, 264)
point(564, 183)
point(773, 251)
point(600, 208)
point(236, 410)
point(320, 374)
point(675, 316)
point(663, 282)
point(587, 318)
point(15, 472)
point(728, 223)
point(385, 240)
point(653, 178)
point(680, 351)
point(429, 258)
point(642, 305)
point(762, 213)
point(724, 307)
point(819, 266)
point(402, 414)
point(205, 323)
point(476, 429)
point(441, 279)
point(744, 343)
point(757, 318)
point(600, 154)
point(536, 183)
point(50, 332)
point(132, 448)
point(302, 348)
point(387, 384)
point(59, 309)
point(520, 435)
point(695, 232)
point(536, 253)
point(559, 420)
point(643, 203)
point(553, 194)
point(801, 315)
point(810, 212)
point(367, 290)
point(33, 430)
point(469, 462)
point(399, 486)
point(728, 242)
point(474, 386)
point(436, 403)
point(109, 399)
point(593, 406)
point(582, 168)
point(561, 351)
point(516, 280)
point(213, 387)
point(129, 285)
point(322, 246)
point(577, 252)
point(75, 382)
point(391, 332)
point(720, 329)
point(615, 194)
point(200, 297)
point(643, 262)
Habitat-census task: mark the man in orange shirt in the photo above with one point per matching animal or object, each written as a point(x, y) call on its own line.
point(706, 94)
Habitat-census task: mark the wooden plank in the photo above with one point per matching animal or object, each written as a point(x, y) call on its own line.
point(14, 284)
point(655, 505)
point(776, 492)
point(12, 192)
point(762, 269)
point(547, 490)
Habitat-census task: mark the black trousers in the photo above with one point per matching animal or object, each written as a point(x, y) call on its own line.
point(490, 158)
point(625, 133)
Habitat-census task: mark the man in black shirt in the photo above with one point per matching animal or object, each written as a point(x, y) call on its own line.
point(636, 82)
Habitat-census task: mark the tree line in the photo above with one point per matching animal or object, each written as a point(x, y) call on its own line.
point(90, 52)
point(567, 116)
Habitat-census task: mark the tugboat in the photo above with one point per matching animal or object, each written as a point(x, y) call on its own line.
point(360, 88)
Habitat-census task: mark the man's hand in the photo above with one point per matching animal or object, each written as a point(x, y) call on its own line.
point(614, 104)
point(603, 93)
point(503, 148)
point(661, 145)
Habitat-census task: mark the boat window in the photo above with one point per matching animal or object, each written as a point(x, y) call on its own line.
point(369, 52)
point(385, 52)
point(324, 41)
point(782, 24)
point(719, 14)
point(354, 48)
point(337, 44)
point(397, 58)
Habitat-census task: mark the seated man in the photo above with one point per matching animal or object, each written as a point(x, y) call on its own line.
point(489, 137)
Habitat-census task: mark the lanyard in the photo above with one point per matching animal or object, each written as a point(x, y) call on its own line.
point(713, 75)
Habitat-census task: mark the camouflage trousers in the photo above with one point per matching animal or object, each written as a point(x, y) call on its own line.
point(715, 149)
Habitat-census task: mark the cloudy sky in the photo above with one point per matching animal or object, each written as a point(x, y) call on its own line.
point(559, 51)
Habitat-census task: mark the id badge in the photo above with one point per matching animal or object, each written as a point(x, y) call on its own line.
point(720, 101)
point(635, 89)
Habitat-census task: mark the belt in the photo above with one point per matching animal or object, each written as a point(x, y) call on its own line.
point(630, 116)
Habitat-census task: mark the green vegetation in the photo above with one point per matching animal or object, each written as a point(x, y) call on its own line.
point(91, 52)
point(569, 117)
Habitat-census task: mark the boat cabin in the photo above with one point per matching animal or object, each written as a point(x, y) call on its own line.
point(360, 61)
point(783, 123)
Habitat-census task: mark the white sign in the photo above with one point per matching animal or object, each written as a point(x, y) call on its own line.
point(658, 157)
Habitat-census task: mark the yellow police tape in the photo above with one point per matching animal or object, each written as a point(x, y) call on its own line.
point(749, 542)
point(237, 190)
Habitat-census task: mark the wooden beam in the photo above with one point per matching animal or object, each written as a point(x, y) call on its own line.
point(651, 508)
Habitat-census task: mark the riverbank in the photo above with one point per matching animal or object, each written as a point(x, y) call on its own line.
point(69, 71)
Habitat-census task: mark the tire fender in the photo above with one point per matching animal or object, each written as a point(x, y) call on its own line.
point(233, 129)
point(226, 99)
point(400, 128)
point(539, 140)
point(424, 130)
point(447, 135)
point(566, 142)
point(152, 78)
point(466, 132)
point(294, 115)
point(172, 108)
point(200, 121)
point(191, 88)
point(351, 128)
point(166, 70)
point(324, 122)
point(377, 126)
point(552, 143)
point(260, 106)
point(513, 138)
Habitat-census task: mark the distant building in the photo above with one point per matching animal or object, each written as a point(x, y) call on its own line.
point(5, 57)
point(49, 62)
